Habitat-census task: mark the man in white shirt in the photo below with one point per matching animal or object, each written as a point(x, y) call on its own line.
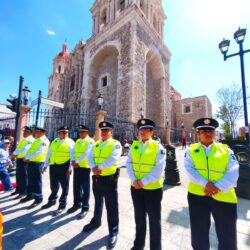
point(60, 153)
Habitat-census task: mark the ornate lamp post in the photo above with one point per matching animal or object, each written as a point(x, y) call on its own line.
point(26, 94)
point(100, 100)
point(239, 37)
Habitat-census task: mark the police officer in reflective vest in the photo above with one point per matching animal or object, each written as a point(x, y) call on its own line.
point(21, 166)
point(103, 160)
point(81, 179)
point(213, 171)
point(35, 157)
point(145, 164)
point(60, 153)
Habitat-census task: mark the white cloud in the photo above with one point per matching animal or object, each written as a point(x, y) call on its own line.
point(50, 32)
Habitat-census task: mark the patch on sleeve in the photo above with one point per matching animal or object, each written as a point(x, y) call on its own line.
point(163, 152)
point(44, 144)
point(233, 157)
point(117, 146)
point(185, 155)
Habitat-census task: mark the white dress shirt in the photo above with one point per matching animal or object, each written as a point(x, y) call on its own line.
point(156, 172)
point(27, 146)
point(71, 145)
point(228, 181)
point(41, 148)
point(87, 151)
point(116, 153)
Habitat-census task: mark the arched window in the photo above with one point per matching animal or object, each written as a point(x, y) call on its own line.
point(104, 17)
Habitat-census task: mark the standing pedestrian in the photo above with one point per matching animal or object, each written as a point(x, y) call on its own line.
point(81, 179)
point(5, 162)
point(21, 166)
point(213, 171)
point(35, 157)
point(60, 153)
point(103, 160)
point(145, 164)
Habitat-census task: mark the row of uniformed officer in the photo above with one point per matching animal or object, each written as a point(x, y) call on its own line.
point(21, 166)
point(35, 158)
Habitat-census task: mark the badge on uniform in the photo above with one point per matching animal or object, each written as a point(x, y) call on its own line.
point(136, 147)
point(197, 150)
point(97, 145)
point(117, 146)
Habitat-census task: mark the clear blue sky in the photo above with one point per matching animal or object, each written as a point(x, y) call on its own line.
point(32, 33)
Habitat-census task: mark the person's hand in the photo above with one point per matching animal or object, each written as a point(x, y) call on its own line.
point(69, 172)
point(13, 156)
point(26, 160)
point(138, 184)
point(11, 165)
point(211, 189)
point(74, 164)
point(44, 170)
point(96, 170)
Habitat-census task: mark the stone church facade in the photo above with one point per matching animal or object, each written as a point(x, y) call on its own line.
point(125, 60)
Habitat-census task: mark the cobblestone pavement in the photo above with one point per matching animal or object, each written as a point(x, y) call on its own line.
point(37, 229)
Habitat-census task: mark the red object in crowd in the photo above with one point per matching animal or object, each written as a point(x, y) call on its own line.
point(2, 187)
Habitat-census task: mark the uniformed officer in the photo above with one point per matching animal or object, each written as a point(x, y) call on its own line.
point(103, 160)
point(213, 171)
point(21, 166)
point(81, 179)
point(35, 157)
point(145, 164)
point(58, 158)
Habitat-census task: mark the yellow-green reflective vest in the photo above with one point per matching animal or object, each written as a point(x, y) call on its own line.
point(60, 152)
point(80, 148)
point(34, 147)
point(144, 162)
point(22, 144)
point(102, 154)
point(212, 168)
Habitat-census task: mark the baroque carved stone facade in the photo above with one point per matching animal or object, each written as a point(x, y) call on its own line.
point(125, 60)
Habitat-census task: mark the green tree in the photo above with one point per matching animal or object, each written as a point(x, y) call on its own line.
point(230, 108)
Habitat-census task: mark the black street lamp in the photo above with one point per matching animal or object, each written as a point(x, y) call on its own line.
point(26, 94)
point(100, 100)
point(239, 37)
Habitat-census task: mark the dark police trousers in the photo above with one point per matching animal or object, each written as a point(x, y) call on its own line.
point(21, 176)
point(81, 187)
point(147, 202)
point(105, 187)
point(58, 177)
point(225, 216)
point(35, 180)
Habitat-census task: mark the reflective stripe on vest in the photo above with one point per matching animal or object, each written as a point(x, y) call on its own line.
point(80, 149)
point(102, 154)
point(212, 168)
point(144, 162)
point(60, 152)
point(34, 147)
point(22, 144)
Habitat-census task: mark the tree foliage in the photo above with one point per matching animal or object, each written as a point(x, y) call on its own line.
point(230, 107)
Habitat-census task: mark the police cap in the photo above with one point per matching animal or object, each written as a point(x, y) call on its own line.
point(106, 125)
point(83, 128)
point(205, 123)
point(145, 123)
point(27, 128)
point(37, 128)
point(63, 129)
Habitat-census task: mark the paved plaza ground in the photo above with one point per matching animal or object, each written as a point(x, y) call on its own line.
point(36, 229)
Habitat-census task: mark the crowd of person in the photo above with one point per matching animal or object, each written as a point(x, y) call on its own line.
point(211, 166)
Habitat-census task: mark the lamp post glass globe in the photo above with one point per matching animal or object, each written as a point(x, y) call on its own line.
point(100, 101)
point(26, 94)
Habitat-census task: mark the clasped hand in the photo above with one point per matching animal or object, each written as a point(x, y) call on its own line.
point(211, 189)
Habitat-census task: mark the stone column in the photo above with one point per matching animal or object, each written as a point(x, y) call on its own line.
point(23, 120)
point(167, 135)
point(100, 115)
